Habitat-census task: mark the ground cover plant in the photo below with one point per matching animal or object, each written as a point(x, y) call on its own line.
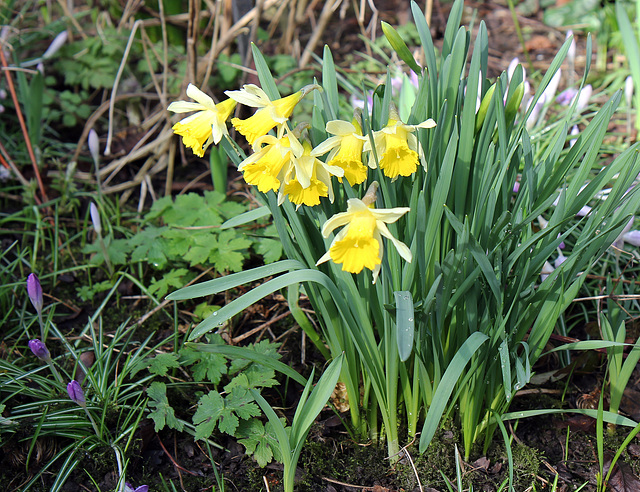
point(450, 243)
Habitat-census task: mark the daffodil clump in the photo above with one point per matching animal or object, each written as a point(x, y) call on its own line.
point(283, 160)
point(444, 218)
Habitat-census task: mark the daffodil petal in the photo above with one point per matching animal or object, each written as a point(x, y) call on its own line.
point(426, 124)
point(326, 146)
point(402, 248)
point(185, 107)
point(197, 95)
point(389, 215)
point(340, 127)
point(250, 95)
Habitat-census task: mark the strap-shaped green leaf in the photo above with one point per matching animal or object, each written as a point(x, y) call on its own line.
point(245, 218)
point(405, 323)
point(230, 281)
point(447, 385)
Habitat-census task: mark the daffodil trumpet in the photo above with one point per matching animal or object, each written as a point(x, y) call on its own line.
point(396, 146)
point(345, 148)
point(270, 114)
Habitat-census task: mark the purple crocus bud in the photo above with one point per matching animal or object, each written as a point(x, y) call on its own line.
point(535, 113)
point(571, 54)
point(632, 237)
point(95, 217)
point(142, 488)
point(559, 260)
point(94, 145)
point(56, 44)
point(75, 393)
point(566, 96)
point(552, 88)
point(575, 131)
point(35, 291)
point(547, 269)
point(512, 68)
point(39, 349)
point(628, 90)
point(413, 78)
point(583, 97)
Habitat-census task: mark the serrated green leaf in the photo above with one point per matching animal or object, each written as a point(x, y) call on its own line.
point(161, 363)
point(163, 414)
point(173, 278)
point(241, 403)
point(210, 407)
point(264, 347)
point(259, 440)
point(206, 365)
point(230, 252)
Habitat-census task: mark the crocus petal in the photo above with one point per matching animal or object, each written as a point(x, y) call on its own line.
point(75, 393)
point(39, 349)
point(632, 237)
point(34, 289)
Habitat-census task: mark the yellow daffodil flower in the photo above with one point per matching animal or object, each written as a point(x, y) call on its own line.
point(269, 114)
point(345, 149)
point(271, 161)
point(397, 147)
point(309, 179)
point(205, 127)
point(359, 244)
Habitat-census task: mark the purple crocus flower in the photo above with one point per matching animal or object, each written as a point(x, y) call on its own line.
point(632, 237)
point(566, 96)
point(39, 349)
point(35, 291)
point(129, 488)
point(75, 393)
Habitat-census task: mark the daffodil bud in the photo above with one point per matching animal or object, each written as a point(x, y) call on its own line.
point(35, 291)
point(484, 106)
point(514, 103)
point(39, 349)
point(400, 47)
point(75, 393)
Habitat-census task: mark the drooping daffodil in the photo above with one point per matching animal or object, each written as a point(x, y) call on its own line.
point(309, 179)
point(359, 244)
point(207, 125)
point(396, 146)
point(271, 161)
point(270, 113)
point(345, 149)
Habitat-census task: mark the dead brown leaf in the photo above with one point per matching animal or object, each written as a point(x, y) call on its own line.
point(622, 478)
